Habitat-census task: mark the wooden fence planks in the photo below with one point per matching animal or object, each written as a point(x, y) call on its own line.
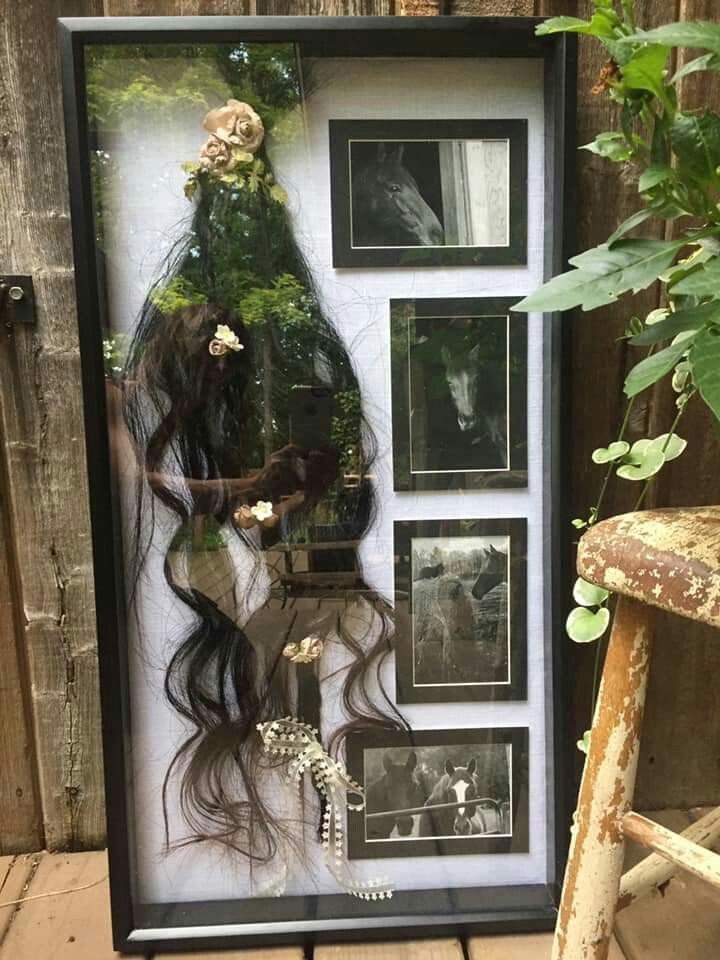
point(675, 766)
point(20, 822)
point(42, 427)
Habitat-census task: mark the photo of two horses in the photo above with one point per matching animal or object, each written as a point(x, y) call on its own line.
point(440, 792)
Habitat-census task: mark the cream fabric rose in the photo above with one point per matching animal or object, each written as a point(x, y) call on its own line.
point(216, 155)
point(306, 651)
point(236, 123)
point(228, 336)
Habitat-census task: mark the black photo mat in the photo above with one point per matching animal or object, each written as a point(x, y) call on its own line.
point(416, 193)
point(459, 394)
point(460, 610)
point(413, 808)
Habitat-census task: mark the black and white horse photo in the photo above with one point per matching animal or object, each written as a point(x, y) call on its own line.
point(388, 207)
point(459, 609)
point(442, 791)
point(459, 394)
point(398, 788)
point(462, 804)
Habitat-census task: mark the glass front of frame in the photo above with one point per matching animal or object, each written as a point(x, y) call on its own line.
point(326, 432)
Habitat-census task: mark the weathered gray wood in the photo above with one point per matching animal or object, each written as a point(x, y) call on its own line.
point(21, 820)
point(42, 418)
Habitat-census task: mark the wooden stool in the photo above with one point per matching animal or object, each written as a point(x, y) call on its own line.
point(658, 558)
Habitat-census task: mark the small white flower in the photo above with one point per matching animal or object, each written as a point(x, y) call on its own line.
point(228, 337)
point(263, 509)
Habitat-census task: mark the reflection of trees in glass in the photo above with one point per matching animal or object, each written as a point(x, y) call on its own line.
point(126, 81)
point(248, 261)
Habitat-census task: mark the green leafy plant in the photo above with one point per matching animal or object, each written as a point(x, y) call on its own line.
point(674, 157)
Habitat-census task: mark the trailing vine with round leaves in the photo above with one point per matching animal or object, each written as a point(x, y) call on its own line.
point(674, 156)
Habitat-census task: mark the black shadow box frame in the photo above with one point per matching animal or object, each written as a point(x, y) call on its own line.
point(516, 686)
point(347, 254)
point(142, 927)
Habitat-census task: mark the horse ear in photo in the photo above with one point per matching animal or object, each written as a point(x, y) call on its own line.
point(449, 767)
point(387, 763)
point(471, 767)
point(411, 762)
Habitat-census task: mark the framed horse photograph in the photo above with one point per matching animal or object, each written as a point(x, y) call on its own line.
point(440, 793)
point(460, 610)
point(459, 394)
point(412, 193)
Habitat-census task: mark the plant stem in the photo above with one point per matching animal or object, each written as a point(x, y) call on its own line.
point(646, 485)
point(594, 514)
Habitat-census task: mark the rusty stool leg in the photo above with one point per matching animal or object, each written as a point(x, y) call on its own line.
point(589, 897)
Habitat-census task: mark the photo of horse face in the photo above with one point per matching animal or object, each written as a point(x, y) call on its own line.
point(429, 193)
point(460, 621)
point(397, 788)
point(459, 394)
point(388, 209)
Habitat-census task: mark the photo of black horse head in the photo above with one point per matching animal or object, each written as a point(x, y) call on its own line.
point(388, 206)
point(414, 193)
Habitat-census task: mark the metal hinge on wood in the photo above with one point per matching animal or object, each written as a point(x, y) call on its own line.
point(17, 299)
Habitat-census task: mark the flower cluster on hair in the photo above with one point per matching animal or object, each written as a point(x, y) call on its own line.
point(236, 133)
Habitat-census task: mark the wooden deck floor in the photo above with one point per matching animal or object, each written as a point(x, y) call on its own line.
point(683, 923)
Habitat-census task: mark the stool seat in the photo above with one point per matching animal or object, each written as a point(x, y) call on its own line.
point(667, 558)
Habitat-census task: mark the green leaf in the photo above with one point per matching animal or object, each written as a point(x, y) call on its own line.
point(639, 448)
point(584, 626)
point(705, 360)
point(644, 71)
point(579, 524)
point(588, 594)
point(703, 34)
point(708, 61)
point(692, 318)
point(653, 176)
point(611, 145)
point(601, 25)
point(603, 274)
point(634, 220)
point(670, 445)
point(650, 463)
point(652, 368)
point(701, 283)
point(278, 194)
point(610, 453)
point(696, 142)
point(583, 745)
